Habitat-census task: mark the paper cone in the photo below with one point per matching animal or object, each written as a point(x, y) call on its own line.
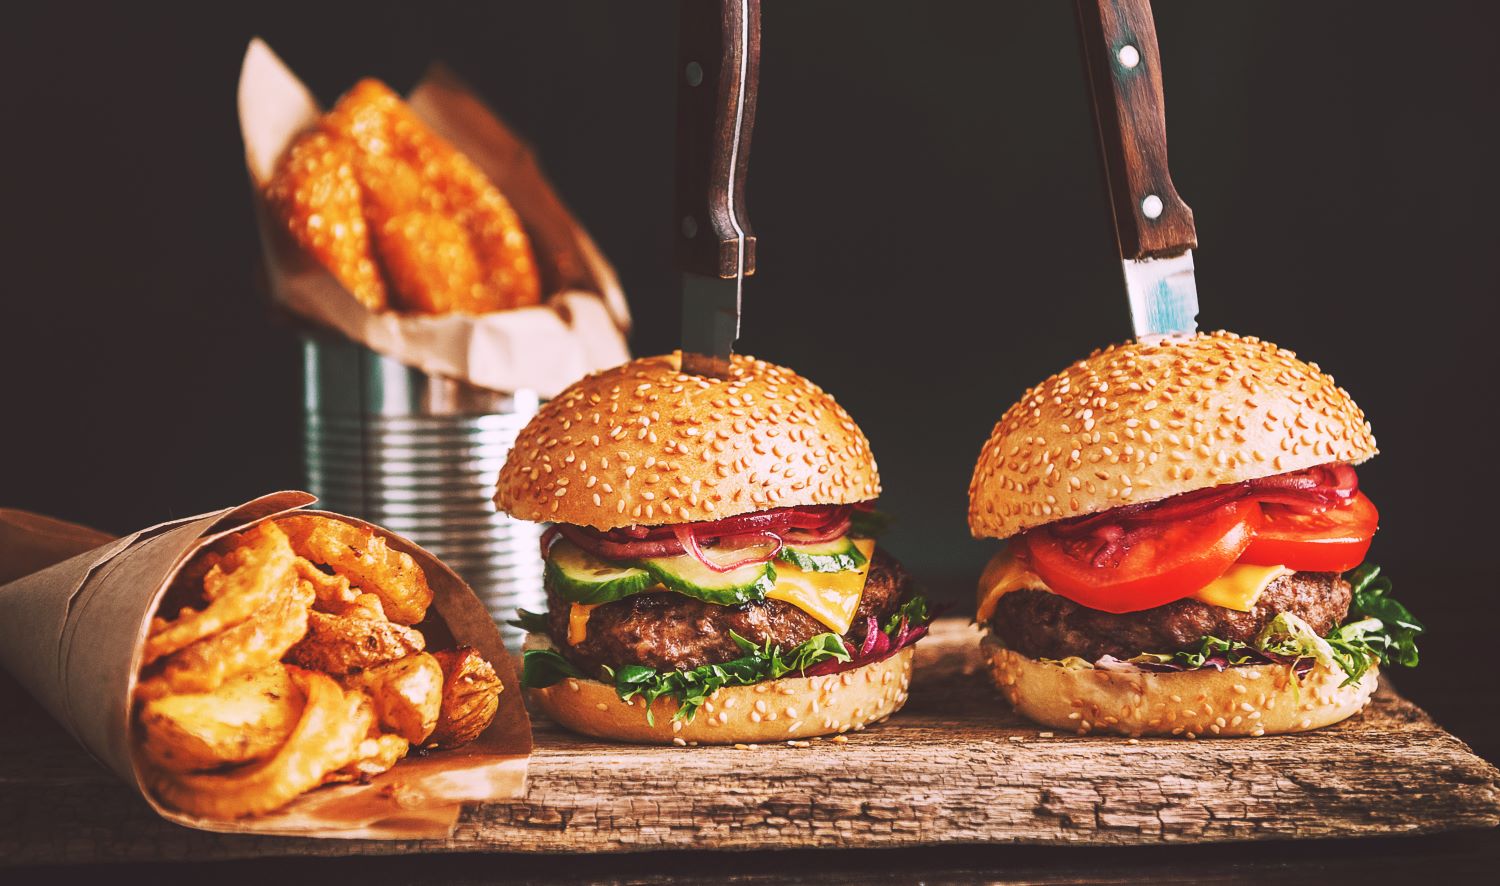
point(73, 634)
point(579, 329)
point(31, 542)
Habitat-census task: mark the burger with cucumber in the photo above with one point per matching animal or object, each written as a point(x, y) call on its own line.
point(1186, 545)
point(711, 567)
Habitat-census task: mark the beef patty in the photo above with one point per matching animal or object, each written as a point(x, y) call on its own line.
point(1040, 624)
point(668, 630)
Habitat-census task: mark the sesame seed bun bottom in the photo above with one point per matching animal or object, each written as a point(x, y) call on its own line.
point(1249, 700)
point(775, 710)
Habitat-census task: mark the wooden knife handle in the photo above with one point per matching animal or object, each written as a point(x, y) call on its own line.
point(1124, 74)
point(718, 69)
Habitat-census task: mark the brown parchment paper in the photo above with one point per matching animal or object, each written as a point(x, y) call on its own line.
point(578, 329)
point(73, 634)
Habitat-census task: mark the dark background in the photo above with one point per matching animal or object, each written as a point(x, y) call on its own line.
point(934, 237)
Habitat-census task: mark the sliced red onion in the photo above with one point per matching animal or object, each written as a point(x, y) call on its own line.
point(600, 546)
point(828, 532)
point(876, 642)
point(878, 649)
point(687, 537)
point(810, 525)
point(1312, 490)
point(549, 537)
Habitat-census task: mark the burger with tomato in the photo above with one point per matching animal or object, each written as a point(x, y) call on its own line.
point(711, 567)
point(1186, 545)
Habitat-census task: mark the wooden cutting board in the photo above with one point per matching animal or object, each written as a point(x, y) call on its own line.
point(956, 766)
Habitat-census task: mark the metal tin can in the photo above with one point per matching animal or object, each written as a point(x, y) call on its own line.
point(420, 455)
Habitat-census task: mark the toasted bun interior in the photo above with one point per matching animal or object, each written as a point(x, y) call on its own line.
point(776, 710)
point(647, 444)
point(1248, 700)
point(1140, 422)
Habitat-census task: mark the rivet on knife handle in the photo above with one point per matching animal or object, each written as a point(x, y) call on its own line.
point(1153, 226)
point(717, 74)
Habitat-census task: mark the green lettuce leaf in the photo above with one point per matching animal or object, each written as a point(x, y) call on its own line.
point(1396, 639)
point(868, 524)
point(914, 610)
point(532, 622)
point(691, 688)
point(541, 668)
point(1381, 630)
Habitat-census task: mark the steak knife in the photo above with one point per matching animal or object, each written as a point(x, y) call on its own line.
point(1153, 226)
point(718, 55)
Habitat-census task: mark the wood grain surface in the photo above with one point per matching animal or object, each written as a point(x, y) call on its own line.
point(956, 766)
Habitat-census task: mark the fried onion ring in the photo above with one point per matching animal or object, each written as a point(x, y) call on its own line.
point(257, 642)
point(333, 591)
point(258, 563)
point(328, 736)
point(366, 560)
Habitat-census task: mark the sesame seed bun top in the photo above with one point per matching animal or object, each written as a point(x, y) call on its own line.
point(1140, 422)
point(646, 444)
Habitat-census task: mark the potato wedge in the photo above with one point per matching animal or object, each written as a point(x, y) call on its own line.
point(408, 694)
point(245, 719)
point(471, 695)
point(328, 735)
point(343, 644)
point(376, 754)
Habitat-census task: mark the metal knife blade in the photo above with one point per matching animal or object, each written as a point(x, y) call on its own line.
point(1163, 295)
point(710, 323)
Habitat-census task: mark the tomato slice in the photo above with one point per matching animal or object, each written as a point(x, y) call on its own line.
point(1333, 541)
point(1152, 565)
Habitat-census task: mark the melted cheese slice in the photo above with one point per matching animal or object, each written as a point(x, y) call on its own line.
point(578, 622)
point(1236, 589)
point(830, 597)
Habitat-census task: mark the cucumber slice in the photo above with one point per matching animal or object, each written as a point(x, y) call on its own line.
point(685, 575)
point(839, 555)
point(583, 578)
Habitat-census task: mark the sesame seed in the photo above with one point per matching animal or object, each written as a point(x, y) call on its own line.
point(679, 742)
